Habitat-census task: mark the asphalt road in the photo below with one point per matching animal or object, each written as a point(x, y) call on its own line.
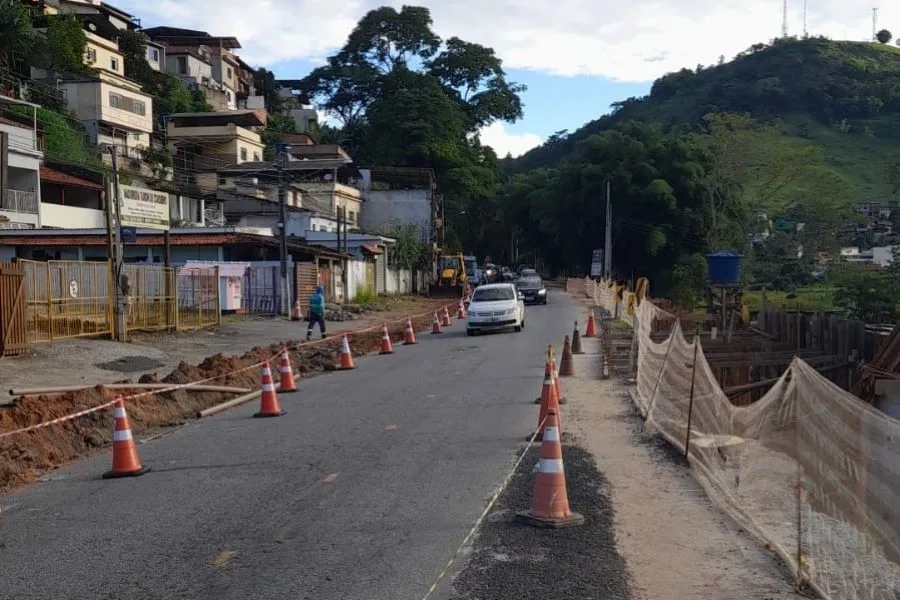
point(362, 491)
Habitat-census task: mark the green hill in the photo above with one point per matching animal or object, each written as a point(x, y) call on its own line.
point(841, 96)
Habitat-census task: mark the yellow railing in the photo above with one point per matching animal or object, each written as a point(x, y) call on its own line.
point(151, 299)
point(198, 297)
point(67, 298)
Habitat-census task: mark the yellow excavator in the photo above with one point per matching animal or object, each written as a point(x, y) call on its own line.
point(452, 279)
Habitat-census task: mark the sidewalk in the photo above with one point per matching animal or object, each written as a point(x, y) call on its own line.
point(676, 544)
point(94, 361)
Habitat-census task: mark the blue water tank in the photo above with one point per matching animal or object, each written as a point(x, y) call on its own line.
point(724, 267)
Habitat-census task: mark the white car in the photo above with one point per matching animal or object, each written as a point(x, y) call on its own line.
point(496, 306)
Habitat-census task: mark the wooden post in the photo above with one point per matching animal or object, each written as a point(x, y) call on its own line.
point(687, 439)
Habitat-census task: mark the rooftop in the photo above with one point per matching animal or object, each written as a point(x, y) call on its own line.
point(188, 37)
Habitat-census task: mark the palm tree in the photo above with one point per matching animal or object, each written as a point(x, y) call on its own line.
point(17, 37)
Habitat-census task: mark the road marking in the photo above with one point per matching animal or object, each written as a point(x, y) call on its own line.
point(390, 428)
point(330, 478)
point(224, 558)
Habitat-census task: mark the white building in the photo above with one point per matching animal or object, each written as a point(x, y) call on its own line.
point(21, 198)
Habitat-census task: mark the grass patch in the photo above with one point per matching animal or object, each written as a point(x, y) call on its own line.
point(810, 298)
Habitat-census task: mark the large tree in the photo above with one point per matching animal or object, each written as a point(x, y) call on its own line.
point(404, 97)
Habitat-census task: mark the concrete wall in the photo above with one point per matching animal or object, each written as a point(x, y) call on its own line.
point(390, 207)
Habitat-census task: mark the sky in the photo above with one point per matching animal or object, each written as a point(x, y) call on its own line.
point(575, 56)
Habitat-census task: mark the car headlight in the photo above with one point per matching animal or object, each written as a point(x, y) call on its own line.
point(512, 311)
point(542, 292)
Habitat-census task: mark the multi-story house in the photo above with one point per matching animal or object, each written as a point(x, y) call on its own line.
point(115, 111)
point(20, 143)
point(305, 116)
point(203, 143)
point(227, 73)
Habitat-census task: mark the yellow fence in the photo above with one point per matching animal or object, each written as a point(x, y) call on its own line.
point(66, 299)
point(198, 297)
point(151, 298)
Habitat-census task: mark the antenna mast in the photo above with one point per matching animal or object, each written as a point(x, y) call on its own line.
point(784, 20)
point(805, 30)
point(874, 24)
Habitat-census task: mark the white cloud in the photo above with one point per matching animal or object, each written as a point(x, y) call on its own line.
point(503, 142)
point(625, 40)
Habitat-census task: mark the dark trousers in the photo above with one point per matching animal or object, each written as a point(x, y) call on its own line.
point(313, 319)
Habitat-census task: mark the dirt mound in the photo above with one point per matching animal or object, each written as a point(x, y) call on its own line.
point(25, 457)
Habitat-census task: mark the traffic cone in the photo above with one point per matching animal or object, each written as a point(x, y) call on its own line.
point(126, 462)
point(567, 362)
point(550, 502)
point(576, 340)
point(409, 333)
point(556, 385)
point(548, 372)
point(346, 356)
point(268, 401)
point(591, 326)
point(461, 311)
point(386, 346)
point(446, 321)
point(436, 325)
point(287, 383)
point(296, 313)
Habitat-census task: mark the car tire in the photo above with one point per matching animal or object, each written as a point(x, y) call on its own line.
point(518, 328)
point(470, 332)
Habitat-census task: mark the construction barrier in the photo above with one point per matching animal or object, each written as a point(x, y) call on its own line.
point(809, 469)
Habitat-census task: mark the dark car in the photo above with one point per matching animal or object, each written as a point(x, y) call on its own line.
point(532, 287)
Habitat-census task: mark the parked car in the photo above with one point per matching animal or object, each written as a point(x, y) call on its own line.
point(532, 288)
point(496, 306)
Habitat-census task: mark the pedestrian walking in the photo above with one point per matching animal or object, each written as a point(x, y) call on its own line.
point(316, 312)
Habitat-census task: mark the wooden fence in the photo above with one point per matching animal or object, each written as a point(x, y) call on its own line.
point(13, 340)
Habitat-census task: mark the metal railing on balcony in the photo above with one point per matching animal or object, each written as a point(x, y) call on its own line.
point(20, 201)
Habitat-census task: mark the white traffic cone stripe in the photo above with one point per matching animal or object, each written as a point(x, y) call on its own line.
point(550, 465)
point(551, 434)
point(122, 436)
point(268, 387)
point(267, 372)
point(119, 412)
point(345, 346)
point(284, 369)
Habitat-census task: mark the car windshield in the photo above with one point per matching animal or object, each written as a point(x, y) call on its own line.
point(492, 294)
point(530, 281)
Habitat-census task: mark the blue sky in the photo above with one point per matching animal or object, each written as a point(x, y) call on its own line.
point(576, 56)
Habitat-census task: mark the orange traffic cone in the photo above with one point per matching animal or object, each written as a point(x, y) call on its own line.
point(461, 311)
point(548, 402)
point(576, 340)
point(548, 372)
point(567, 362)
point(268, 401)
point(591, 327)
point(126, 462)
point(346, 356)
point(287, 383)
point(436, 325)
point(409, 333)
point(296, 313)
point(386, 346)
point(550, 502)
point(556, 385)
point(446, 322)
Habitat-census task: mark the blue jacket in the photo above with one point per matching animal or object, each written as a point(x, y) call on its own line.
point(317, 301)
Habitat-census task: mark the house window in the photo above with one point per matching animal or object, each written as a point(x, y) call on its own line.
point(243, 154)
point(181, 65)
point(228, 73)
point(115, 100)
point(351, 217)
point(256, 157)
point(114, 63)
point(153, 54)
point(139, 108)
point(91, 55)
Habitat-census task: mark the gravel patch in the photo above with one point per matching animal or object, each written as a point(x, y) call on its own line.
point(513, 560)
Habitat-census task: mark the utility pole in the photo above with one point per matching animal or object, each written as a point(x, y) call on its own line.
point(784, 20)
point(607, 247)
point(120, 282)
point(342, 224)
point(283, 150)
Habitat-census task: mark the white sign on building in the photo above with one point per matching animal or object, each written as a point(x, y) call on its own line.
point(145, 208)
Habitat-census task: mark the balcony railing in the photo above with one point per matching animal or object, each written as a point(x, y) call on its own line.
point(20, 201)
